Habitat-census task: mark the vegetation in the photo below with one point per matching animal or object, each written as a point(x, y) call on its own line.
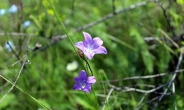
point(143, 67)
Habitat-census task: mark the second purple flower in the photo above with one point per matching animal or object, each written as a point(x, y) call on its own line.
point(83, 82)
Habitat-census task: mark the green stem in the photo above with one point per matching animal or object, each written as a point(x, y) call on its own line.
point(104, 90)
point(45, 107)
point(60, 21)
point(88, 97)
point(89, 66)
point(95, 100)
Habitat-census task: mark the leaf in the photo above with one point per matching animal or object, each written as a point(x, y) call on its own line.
point(181, 2)
point(142, 48)
point(9, 100)
point(50, 12)
point(36, 21)
point(84, 103)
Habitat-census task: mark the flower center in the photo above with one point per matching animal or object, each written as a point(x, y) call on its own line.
point(89, 48)
point(83, 84)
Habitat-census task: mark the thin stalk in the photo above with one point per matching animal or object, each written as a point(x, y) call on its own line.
point(9, 81)
point(88, 66)
point(60, 21)
point(88, 97)
point(104, 90)
point(95, 100)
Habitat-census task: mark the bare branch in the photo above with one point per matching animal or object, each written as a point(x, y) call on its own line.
point(14, 82)
point(116, 13)
point(167, 18)
point(19, 73)
point(172, 80)
point(107, 99)
point(142, 77)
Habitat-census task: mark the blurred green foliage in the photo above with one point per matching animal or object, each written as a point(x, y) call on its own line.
point(47, 78)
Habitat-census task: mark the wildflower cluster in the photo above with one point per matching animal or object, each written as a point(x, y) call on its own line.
point(12, 10)
point(88, 48)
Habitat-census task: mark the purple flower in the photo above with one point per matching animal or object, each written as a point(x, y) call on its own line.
point(90, 46)
point(83, 82)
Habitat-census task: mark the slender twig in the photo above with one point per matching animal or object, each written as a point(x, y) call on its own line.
point(13, 50)
point(104, 90)
point(88, 66)
point(142, 99)
point(16, 34)
point(142, 77)
point(128, 89)
point(172, 41)
point(172, 80)
point(107, 99)
point(72, 13)
point(19, 73)
point(113, 7)
point(14, 82)
point(16, 61)
point(150, 101)
point(20, 41)
point(140, 105)
point(167, 19)
point(112, 14)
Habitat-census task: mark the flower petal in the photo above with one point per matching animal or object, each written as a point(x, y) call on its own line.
point(79, 45)
point(89, 55)
point(87, 88)
point(77, 80)
point(100, 50)
point(91, 80)
point(77, 87)
point(96, 42)
point(87, 39)
point(83, 75)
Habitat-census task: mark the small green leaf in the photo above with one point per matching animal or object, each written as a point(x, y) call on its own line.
point(9, 100)
point(181, 2)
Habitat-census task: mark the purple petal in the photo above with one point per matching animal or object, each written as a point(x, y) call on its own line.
point(77, 80)
point(76, 87)
point(89, 55)
point(87, 88)
point(83, 75)
point(100, 50)
point(91, 80)
point(97, 42)
point(79, 45)
point(87, 39)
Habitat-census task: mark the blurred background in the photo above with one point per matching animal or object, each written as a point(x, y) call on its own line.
point(141, 37)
